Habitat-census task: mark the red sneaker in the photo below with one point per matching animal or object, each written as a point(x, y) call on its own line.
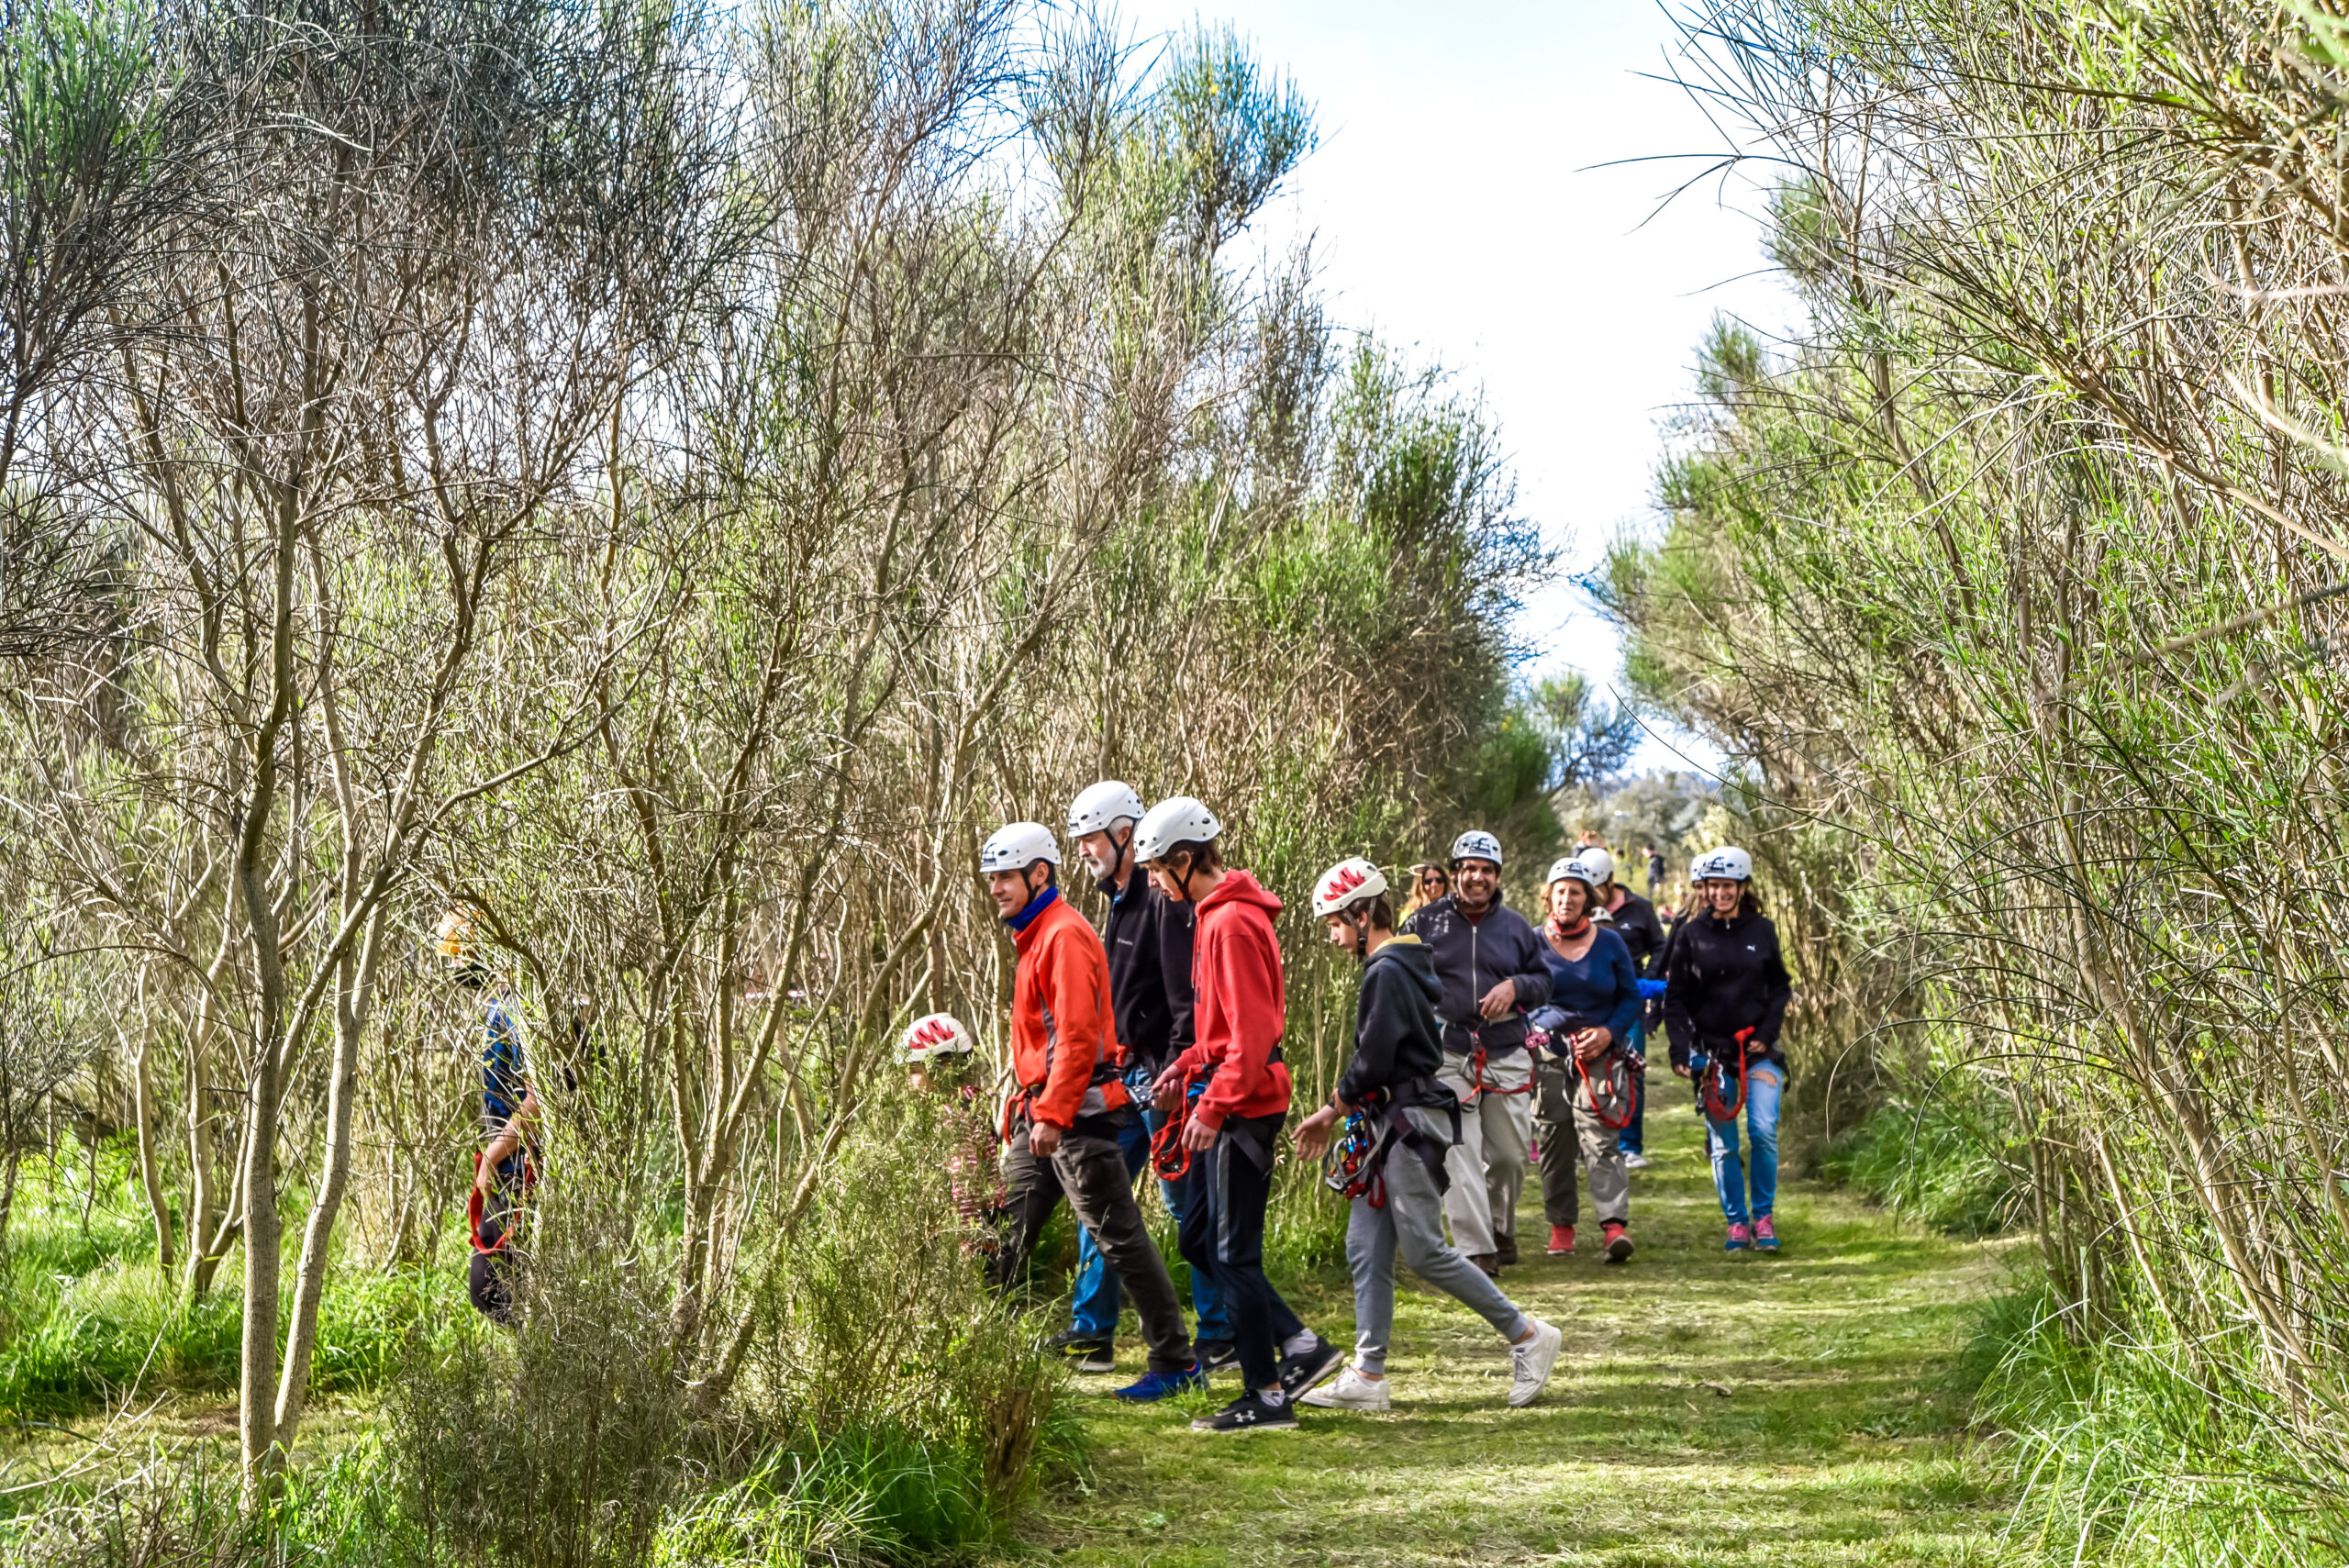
point(1561, 1239)
point(1618, 1241)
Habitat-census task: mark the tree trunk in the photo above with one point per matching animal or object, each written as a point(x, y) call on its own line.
point(310, 1276)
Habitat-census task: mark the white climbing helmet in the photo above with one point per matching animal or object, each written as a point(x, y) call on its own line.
point(1601, 864)
point(1475, 845)
point(1724, 864)
point(1101, 805)
point(1570, 867)
point(1346, 884)
point(939, 1034)
point(1177, 820)
point(1015, 846)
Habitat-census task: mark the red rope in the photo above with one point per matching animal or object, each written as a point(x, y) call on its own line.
point(474, 1205)
point(1477, 1075)
point(1168, 1155)
point(1715, 1071)
point(1618, 1083)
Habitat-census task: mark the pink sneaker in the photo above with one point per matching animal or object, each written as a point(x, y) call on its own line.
point(1740, 1237)
point(1765, 1235)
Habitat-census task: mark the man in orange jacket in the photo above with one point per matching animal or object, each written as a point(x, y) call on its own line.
point(1064, 1119)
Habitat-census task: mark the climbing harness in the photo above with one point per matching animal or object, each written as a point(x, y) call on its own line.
point(1355, 1165)
point(1618, 1092)
point(1476, 1070)
point(1715, 1072)
point(1168, 1156)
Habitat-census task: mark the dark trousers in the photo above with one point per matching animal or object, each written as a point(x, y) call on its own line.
point(1224, 1198)
point(1091, 1173)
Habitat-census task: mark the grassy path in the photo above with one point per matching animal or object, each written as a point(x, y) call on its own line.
point(1708, 1410)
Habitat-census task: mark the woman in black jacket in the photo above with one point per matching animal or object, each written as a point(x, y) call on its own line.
point(1725, 998)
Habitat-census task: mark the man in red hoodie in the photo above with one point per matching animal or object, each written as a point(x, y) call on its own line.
point(1064, 1117)
point(1238, 1016)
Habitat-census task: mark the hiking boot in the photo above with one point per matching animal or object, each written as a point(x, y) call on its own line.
point(1561, 1240)
point(1765, 1235)
point(1505, 1250)
point(1215, 1354)
point(1634, 1160)
point(1739, 1239)
point(1529, 1363)
point(1249, 1413)
point(1157, 1385)
point(1619, 1240)
point(1302, 1371)
point(1351, 1391)
point(1485, 1261)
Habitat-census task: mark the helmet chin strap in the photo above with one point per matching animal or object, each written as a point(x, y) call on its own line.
point(1359, 919)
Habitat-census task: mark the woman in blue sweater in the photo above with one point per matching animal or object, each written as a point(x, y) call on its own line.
point(1583, 1081)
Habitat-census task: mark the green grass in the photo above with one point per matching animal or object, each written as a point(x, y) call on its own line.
point(1715, 1410)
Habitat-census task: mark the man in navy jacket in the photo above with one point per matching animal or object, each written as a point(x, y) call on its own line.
point(1490, 964)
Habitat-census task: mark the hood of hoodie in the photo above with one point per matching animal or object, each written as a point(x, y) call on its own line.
point(1241, 887)
point(1416, 958)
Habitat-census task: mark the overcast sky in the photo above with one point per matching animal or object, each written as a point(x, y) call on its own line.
point(1455, 207)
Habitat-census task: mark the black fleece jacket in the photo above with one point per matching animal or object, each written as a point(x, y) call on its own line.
point(1721, 976)
point(1397, 1036)
point(1471, 957)
point(1636, 923)
point(1148, 944)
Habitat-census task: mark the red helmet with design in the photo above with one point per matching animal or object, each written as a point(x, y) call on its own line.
point(937, 1034)
point(1346, 884)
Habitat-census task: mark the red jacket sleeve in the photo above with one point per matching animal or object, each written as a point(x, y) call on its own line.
point(1073, 982)
point(1247, 978)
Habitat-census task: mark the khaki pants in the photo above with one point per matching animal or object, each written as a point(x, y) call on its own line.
point(1567, 1122)
point(1487, 1165)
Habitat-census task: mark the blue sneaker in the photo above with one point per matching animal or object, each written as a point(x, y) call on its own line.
point(1157, 1385)
point(1739, 1239)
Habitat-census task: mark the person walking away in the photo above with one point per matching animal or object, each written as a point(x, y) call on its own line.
point(1635, 919)
point(1429, 881)
point(1070, 1101)
point(504, 1170)
point(1148, 944)
point(1656, 873)
point(1490, 962)
point(1724, 1002)
point(941, 1059)
point(1238, 1017)
point(1585, 1075)
point(1409, 1119)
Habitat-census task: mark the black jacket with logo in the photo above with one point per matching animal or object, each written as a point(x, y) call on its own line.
point(1148, 944)
point(1471, 958)
point(1721, 976)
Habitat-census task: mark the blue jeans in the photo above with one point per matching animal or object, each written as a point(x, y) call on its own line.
point(1730, 1174)
point(1095, 1311)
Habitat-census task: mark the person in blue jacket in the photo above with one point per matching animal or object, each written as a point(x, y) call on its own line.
point(1586, 1074)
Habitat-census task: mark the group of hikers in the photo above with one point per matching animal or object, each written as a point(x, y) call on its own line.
point(1481, 1041)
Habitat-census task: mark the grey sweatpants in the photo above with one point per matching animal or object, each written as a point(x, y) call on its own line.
point(1487, 1165)
point(1412, 1223)
point(1565, 1120)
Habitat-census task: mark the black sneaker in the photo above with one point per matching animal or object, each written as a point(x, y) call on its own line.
point(1505, 1251)
point(1249, 1413)
point(1084, 1348)
point(1215, 1354)
point(1302, 1371)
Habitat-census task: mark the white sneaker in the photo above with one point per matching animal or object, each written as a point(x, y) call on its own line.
point(1532, 1362)
point(1635, 1161)
point(1349, 1391)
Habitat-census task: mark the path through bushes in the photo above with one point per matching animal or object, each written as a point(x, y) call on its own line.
point(1710, 1409)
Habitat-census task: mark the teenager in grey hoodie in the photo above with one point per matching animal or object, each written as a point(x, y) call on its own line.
point(1414, 1118)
